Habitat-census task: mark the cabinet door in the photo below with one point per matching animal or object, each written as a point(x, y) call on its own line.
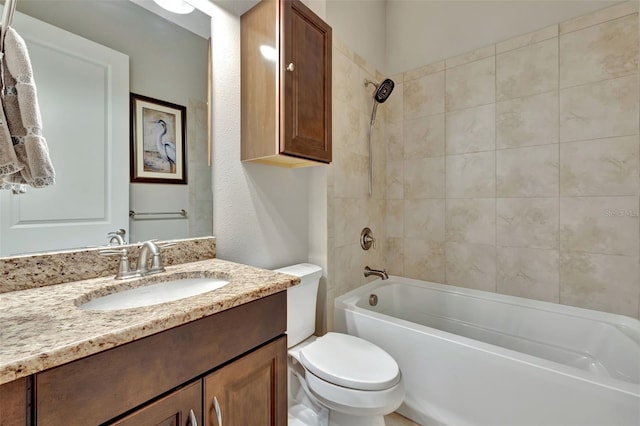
point(251, 390)
point(306, 77)
point(13, 403)
point(180, 408)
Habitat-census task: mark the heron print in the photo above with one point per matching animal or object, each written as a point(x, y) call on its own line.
point(159, 141)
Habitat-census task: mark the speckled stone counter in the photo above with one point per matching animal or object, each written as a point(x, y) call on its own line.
point(44, 327)
point(43, 269)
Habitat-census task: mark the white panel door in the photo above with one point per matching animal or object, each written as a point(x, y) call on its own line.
point(83, 90)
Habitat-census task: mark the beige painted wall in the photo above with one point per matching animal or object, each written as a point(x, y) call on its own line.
point(261, 213)
point(422, 32)
point(362, 26)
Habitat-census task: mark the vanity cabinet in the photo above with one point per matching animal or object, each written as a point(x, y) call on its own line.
point(237, 355)
point(285, 85)
point(251, 390)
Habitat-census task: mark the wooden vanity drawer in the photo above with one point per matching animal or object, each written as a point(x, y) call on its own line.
point(98, 388)
point(173, 409)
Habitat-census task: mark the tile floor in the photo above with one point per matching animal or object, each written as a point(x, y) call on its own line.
point(395, 419)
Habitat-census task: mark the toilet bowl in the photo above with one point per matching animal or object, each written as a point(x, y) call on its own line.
point(335, 379)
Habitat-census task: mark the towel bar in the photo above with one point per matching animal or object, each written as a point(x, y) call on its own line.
point(182, 213)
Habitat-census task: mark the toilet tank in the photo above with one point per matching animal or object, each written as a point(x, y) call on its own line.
point(301, 302)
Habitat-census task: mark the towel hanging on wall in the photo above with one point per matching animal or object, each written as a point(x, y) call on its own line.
point(9, 163)
point(20, 120)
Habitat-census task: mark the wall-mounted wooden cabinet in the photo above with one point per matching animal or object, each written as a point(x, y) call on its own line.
point(286, 85)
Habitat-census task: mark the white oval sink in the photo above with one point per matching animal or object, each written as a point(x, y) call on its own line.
point(154, 294)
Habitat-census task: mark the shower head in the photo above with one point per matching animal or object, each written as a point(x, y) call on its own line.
point(384, 90)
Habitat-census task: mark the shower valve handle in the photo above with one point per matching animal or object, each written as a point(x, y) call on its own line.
point(366, 239)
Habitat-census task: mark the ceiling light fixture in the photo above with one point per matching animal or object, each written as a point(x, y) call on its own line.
point(175, 6)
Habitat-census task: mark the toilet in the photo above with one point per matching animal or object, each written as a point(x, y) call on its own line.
point(336, 379)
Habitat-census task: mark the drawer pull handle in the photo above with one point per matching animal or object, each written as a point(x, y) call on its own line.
point(290, 67)
point(191, 420)
point(216, 407)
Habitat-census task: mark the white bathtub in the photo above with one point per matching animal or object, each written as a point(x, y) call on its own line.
point(470, 357)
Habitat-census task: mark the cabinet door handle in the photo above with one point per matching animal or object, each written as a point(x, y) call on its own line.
point(290, 67)
point(191, 420)
point(216, 407)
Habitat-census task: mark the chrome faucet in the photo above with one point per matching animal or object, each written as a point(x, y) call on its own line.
point(377, 272)
point(148, 247)
point(156, 259)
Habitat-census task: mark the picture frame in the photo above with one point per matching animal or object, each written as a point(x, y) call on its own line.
point(158, 141)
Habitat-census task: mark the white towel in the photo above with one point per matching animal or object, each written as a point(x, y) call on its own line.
point(23, 120)
point(9, 163)
point(15, 187)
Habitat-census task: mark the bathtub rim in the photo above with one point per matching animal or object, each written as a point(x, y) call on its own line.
point(347, 302)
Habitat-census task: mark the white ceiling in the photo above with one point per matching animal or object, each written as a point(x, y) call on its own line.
point(197, 22)
point(237, 7)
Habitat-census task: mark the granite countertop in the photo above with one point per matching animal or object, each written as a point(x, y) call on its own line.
point(44, 327)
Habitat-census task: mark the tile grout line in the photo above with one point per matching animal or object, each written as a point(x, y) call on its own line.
point(595, 24)
point(444, 244)
point(495, 160)
point(600, 81)
point(402, 159)
point(559, 174)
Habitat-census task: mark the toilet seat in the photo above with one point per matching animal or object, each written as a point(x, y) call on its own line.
point(355, 402)
point(350, 362)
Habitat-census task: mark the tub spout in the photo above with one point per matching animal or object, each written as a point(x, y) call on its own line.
point(379, 273)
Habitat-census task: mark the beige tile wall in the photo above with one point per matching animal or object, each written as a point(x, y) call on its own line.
point(350, 208)
point(513, 168)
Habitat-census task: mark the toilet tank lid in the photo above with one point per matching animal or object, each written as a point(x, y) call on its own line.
point(301, 270)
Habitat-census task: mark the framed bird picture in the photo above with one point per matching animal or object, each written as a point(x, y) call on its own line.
point(158, 141)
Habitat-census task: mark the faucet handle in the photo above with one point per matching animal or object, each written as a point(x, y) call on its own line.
point(156, 258)
point(124, 269)
point(113, 252)
point(367, 240)
point(154, 242)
